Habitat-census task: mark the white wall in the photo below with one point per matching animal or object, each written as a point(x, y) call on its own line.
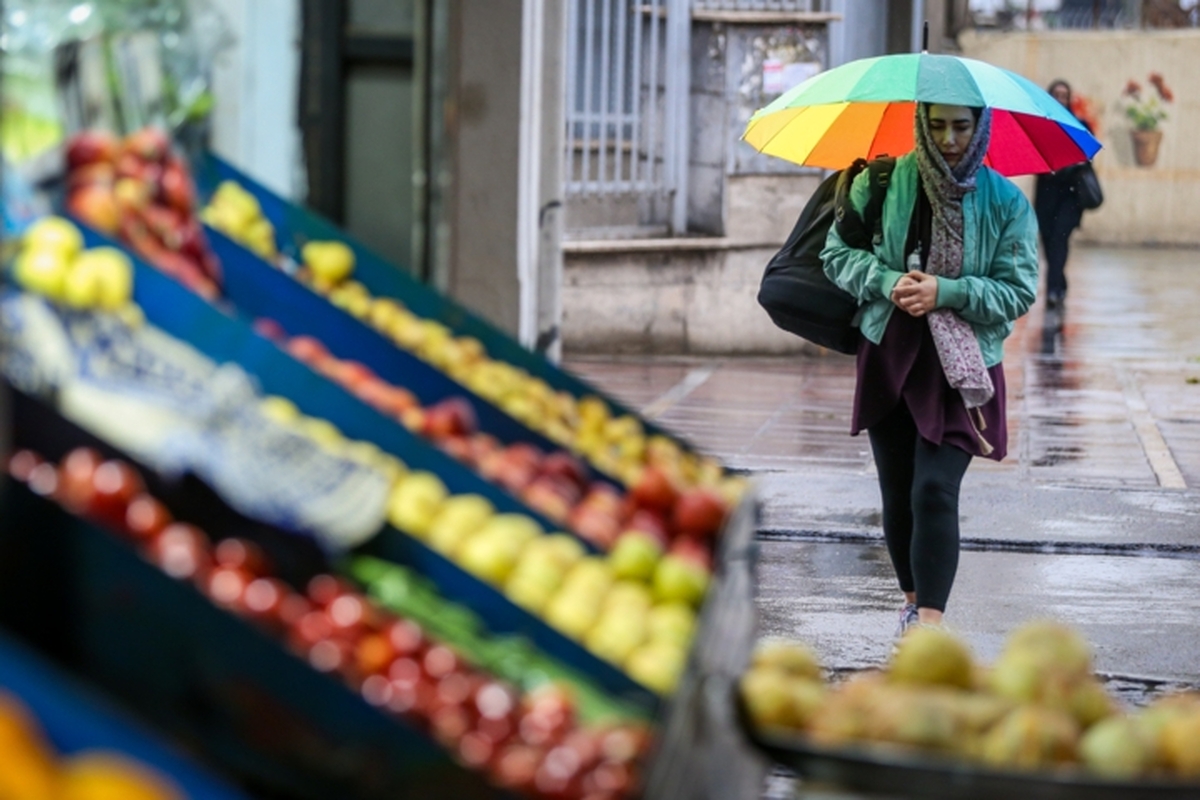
point(256, 84)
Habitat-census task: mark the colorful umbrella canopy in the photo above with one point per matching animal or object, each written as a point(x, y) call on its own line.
point(865, 109)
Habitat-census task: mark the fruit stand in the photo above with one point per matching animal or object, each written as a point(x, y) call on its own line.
point(338, 535)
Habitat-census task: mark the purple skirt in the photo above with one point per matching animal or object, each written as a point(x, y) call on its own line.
point(904, 367)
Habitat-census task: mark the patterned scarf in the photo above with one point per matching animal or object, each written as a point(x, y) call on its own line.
point(957, 347)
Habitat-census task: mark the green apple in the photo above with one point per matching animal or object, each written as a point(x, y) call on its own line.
point(680, 580)
point(43, 272)
point(675, 622)
point(634, 556)
point(414, 502)
point(657, 665)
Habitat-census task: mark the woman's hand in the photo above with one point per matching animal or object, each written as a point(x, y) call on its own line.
point(916, 293)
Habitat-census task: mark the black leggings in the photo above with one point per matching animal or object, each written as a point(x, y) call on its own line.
point(919, 482)
point(1056, 228)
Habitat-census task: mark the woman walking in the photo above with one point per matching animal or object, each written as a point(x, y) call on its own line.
point(1059, 213)
point(958, 262)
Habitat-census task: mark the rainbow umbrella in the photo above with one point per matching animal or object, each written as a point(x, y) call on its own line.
point(865, 108)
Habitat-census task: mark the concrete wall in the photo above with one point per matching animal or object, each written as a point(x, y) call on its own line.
point(1143, 205)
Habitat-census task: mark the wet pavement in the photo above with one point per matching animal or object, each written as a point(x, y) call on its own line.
point(1094, 517)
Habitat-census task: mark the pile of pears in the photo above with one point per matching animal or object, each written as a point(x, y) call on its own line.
point(1040, 707)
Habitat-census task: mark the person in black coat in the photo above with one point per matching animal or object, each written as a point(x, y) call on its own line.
point(1058, 213)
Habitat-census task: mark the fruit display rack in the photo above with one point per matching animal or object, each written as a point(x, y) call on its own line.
point(677, 539)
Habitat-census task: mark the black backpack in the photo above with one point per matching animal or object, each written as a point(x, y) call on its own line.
point(795, 291)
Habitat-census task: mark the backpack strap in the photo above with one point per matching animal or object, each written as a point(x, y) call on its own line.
point(865, 230)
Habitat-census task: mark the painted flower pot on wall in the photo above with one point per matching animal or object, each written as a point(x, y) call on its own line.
point(1145, 146)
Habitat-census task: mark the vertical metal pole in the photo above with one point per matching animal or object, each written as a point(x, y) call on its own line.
point(589, 57)
point(571, 104)
point(635, 132)
point(619, 112)
point(652, 134)
point(606, 53)
point(679, 60)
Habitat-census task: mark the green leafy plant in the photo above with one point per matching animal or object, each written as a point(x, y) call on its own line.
point(1143, 108)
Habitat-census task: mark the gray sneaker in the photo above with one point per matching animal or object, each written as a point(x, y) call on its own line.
point(908, 618)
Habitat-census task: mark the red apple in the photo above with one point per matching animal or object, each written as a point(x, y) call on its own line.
point(114, 485)
point(181, 551)
point(548, 496)
point(241, 554)
point(439, 661)
point(308, 349)
point(176, 187)
point(597, 526)
point(194, 244)
point(90, 147)
point(43, 480)
point(693, 550)
point(312, 626)
point(699, 512)
point(649, 522)
point(457, 447)
point(21, 464)
point(453, 416)
point(475, 749)
point(376, 690)
point(264, 601)
point(455, 688)
point(609, 778)
point(654, 490)
point(405, 636)
point(95, 205)
point(406, 671)
point(603, 496)
point(352, 616)
point(226, 586)
point(75, 475)
point(624, 743)
point(147, 173)
point(329, 656)
point(566, 467)
point(149, 144)
point(323, 589)
point(559, 775)
point(145, 518)
point(514, 767)
point(449, 724)
point(269, 329)
point(481, 445)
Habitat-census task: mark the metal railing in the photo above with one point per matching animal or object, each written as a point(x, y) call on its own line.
point(627, 66)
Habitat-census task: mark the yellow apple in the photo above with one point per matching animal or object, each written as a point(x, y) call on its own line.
point(279, 409)
point(459, 517)
point(679, 580)
point(490, 556)
point(631, 599)
point(415, 501)
point(81, 286)
point(572, 613)
point(330, 262)
point(518, 528)
point(54, 235)
point(675, 622)
point(43, 272)
point(591, 573)
point(658, 665)
point(113, 273)
point(528, 593)
point(322, 431)
point(615, 638)
point(634, 556)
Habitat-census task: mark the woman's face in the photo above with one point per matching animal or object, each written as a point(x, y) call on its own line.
point(1062, 94)
point(952, 128)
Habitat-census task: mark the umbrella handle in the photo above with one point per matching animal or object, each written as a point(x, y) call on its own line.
point(925, 38)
